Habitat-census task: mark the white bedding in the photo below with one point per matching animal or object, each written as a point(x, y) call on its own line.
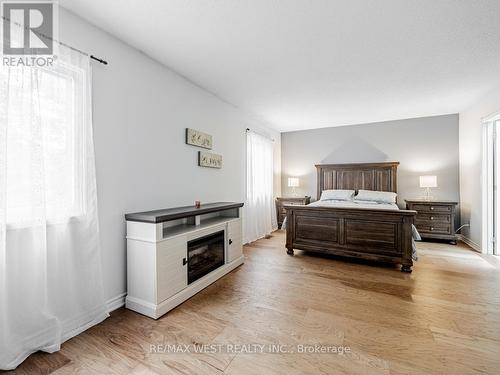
point(355, 204)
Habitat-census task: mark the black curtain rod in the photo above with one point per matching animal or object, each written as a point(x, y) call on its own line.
point(99, 60)
point(104, 62)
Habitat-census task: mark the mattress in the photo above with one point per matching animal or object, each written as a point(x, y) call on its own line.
point(355, 204)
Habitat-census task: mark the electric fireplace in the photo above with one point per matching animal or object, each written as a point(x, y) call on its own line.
point(205, 254)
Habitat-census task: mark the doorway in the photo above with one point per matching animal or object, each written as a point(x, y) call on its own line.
point(491, 165)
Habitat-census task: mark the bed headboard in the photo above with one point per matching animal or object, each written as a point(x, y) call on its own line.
point(366, 176)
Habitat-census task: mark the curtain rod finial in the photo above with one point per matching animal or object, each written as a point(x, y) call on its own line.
point(99, 60)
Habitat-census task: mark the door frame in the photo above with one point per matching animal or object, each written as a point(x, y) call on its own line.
point(490, 181)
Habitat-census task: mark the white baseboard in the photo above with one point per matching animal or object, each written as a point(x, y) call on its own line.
point(116, 302)
point(471, 243)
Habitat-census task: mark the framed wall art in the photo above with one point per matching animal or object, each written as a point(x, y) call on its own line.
point(199, 139)
point(209, 160)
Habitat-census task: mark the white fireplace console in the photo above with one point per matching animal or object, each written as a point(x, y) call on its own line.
point(174, 253)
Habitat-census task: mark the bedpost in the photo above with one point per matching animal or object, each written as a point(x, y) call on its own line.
point(319, 174)
point(289, 230)
point(407, 262)
point(406, 268)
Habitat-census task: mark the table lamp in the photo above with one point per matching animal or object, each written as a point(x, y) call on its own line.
point(428, 182)
point(293, 182)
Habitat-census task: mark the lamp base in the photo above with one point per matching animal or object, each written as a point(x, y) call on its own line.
point(427, 196)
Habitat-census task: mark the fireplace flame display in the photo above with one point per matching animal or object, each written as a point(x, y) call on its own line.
point(205, 254)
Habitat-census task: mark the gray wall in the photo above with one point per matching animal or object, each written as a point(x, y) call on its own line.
point(427, 145)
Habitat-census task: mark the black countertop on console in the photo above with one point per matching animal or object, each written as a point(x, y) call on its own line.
point(159, 216)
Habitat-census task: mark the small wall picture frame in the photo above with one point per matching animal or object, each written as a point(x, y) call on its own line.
point(199, 139)
point(209, 160)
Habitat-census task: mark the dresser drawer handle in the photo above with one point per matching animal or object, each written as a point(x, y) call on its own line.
point(432, 217)
point(432, 208)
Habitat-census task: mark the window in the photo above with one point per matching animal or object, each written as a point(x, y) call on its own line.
point(44, 143)
point(50, 273)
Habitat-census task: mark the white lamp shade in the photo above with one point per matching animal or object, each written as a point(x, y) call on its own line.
point(293, 181)
point(428, 181)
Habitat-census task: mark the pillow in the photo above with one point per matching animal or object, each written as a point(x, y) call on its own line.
point(376, 196)
point(337, 195)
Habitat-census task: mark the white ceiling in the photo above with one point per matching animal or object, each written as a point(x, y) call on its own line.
point(302, 64)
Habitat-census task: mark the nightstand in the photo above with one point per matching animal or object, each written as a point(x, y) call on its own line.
point(280, 202)
point(435, 219)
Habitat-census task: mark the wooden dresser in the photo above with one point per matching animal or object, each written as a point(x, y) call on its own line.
point(280, 202)
point(435, 219)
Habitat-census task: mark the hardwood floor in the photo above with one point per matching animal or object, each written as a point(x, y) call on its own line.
point(443, 318)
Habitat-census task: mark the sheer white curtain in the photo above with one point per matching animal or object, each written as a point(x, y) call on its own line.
point(260, 216)
point(50, 267)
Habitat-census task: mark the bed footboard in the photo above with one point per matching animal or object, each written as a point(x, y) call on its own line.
point(371, 234)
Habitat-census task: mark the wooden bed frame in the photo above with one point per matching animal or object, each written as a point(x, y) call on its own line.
point(371, 234)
